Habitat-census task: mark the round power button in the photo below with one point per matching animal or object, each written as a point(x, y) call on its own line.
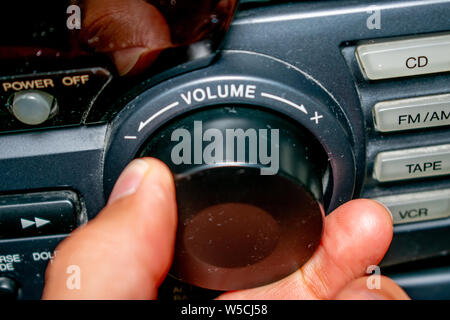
point(9, 289)
point(33, 107)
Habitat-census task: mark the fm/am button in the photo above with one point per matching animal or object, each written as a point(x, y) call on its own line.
point(417, 207)
point(414, 113)
point(412, 163)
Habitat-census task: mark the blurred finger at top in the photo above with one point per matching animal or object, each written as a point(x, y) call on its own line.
point(132, 32)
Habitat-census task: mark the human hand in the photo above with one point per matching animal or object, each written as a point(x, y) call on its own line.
point(126, 251)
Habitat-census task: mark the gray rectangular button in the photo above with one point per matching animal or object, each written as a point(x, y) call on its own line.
point(36, 214)
point(406, 57)
point(412, 163)
point(416, 207)
point(414, 113)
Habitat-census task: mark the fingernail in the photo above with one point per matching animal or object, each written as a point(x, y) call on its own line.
point(387, 209)
point(388, 291)
point(369, 295)
point(129, 180)
point(126, 59)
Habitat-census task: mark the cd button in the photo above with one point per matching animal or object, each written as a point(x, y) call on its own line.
point(415, 113)
point(416, 207)
point(404, 58)
point(412, 163)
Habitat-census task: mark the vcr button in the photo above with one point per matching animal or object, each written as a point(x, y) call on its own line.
point(37, 214)
point(403, 58)
point(414, 113)
point(412, 163)
point(416, 207)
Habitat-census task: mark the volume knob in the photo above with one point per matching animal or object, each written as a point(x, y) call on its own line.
point(249, 192)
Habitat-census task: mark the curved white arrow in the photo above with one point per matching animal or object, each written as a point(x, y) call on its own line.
point(286, 101)
point(146, 122)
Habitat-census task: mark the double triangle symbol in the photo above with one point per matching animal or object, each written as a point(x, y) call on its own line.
point(37, 221)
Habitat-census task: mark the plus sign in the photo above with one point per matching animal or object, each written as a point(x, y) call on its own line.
point(316, 117)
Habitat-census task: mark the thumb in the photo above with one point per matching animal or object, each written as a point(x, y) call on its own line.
point(359, 289)
point(126, 251)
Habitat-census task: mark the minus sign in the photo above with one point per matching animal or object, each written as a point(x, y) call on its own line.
point(130, 137)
